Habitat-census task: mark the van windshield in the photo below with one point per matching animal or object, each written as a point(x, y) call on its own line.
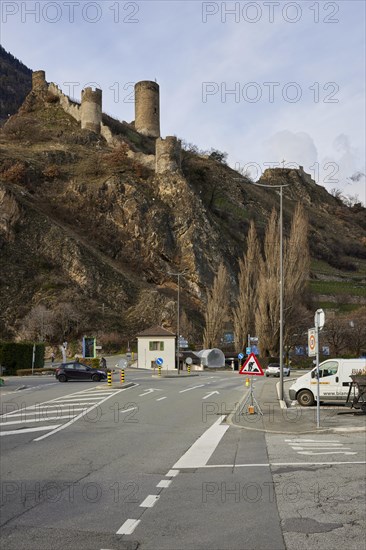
point(328, 369)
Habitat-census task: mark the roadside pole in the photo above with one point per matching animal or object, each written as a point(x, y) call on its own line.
point(33, 357)
point(317, 371)
point(319, 320)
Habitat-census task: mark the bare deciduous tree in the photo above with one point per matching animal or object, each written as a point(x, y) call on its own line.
point(217, 308)
point(244, 311)
point(295, 274)
point(38, 324)
point(296, 268)
point(67, 319)
point(268, 299)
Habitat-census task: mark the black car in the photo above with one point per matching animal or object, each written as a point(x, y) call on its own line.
point(77, 371)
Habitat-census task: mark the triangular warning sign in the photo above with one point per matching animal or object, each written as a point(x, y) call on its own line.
point(252, 367)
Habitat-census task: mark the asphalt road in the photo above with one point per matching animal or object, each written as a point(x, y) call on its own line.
point(156, 466)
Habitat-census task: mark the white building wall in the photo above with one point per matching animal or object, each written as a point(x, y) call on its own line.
point(145, 356)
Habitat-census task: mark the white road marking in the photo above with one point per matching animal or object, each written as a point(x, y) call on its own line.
point(29, 420)
point(128, 527)
point(164, 483)
point(209, 395)
point(326, 453)
point(97, 393)
point(281, 464)
point(128, 410)
point(161, 398)
point(40, 412)
point(318, 447)
point(149, 501)
point(172, 473)
point(323, 446)
point(29, 430)
point(149, 391)
point(193, 388)
point(84, 413)
point(312, 441)
point(81, 399)
point(201, 451)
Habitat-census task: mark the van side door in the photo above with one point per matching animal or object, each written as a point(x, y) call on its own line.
point(329, 381)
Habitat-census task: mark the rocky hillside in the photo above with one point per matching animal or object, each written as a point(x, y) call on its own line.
point(88, 224)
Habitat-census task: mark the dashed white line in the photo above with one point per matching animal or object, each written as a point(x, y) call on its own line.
point(172, 473)
point(149, 501)
point(161, 398)
point(164, 483)
point(128, 527)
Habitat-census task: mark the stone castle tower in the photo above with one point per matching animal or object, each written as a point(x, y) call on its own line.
point(168, 155)
point(39, 83)
point(147, 110)
point(91, 109)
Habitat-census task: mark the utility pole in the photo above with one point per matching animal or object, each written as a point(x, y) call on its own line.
point(281, 276)
point(178, 315)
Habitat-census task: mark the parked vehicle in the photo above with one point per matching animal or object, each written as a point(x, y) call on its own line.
point(78, 371)
point(334, 381)
point(273, 369)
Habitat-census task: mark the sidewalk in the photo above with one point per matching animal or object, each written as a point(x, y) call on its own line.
point(294, 420)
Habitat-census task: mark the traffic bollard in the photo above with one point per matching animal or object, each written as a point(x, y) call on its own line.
point(189, 369)
point(159, 371)
point(122, 376)
point(109, 378)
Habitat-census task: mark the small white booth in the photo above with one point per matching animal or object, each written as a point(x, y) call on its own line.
point(156, 343)
point(212, 358)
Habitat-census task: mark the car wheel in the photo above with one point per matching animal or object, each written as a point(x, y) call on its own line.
point(95, 377)
point(267, 374)
point(305, 398)
point(62, 378)
point(288, 374)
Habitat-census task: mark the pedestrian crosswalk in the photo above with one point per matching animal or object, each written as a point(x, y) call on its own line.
point(54, 415)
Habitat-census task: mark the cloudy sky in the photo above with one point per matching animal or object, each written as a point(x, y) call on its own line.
point(264, 81)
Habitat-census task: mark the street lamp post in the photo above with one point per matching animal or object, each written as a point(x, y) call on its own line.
point(178, 311)
point(281, 279)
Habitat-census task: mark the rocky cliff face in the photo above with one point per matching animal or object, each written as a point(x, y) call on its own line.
point(86, 223)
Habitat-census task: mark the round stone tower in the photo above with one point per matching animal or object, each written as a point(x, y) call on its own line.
point(91, 109)
point(168, 157)
point(147, 111)
point(39, 83)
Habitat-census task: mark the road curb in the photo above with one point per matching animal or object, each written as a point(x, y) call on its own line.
point(230, 420)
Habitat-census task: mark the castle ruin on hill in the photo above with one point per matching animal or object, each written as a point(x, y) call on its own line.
point(147, 117)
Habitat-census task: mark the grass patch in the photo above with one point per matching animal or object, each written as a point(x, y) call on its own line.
point(337, 288)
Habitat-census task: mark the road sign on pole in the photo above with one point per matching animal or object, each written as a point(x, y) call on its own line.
point(159, 361)
point(252, 367)
point(312, 337)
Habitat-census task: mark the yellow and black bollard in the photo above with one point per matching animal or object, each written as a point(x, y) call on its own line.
point(122, 376)
point(159, 371)
point(189, 369)
point(109, 378)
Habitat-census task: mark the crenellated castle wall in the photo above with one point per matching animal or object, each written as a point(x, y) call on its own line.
point(147, 120)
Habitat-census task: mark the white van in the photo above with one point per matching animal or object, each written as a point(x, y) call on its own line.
point(334, 381)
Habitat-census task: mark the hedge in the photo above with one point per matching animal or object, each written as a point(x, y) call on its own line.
point(27, 372)
point(14, 356)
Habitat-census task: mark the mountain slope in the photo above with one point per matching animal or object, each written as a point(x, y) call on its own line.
point(89, 224)
point(15, 84)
